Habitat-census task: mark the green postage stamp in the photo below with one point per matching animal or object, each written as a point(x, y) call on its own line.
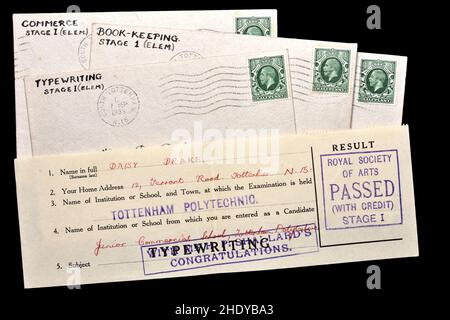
point(268, 78)
point(377, 81)
point(255, 26)
point(331, 70)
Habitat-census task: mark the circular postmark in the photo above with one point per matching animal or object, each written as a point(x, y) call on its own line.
point(331, 70)
point(267, 78)
point(118, 105)
point(186, 55)
point(377, 81)
point(254, 31)
point(83, 52)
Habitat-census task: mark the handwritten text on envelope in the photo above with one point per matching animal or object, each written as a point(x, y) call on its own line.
point(154, 103)
point(59, 42)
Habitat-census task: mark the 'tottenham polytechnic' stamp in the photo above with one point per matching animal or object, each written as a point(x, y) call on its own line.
point(331, 70)
point(118, 105)
point(377, 81)
point(268, 78)
point(255, 26)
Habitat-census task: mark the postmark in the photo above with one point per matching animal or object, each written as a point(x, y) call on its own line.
point(229, 249)
point(377, 81)
point(268, 78)
point(186, 55)
point(118, 105)
point(84, 51)
point(255, 26)
point(331, 70)
point(361, 189)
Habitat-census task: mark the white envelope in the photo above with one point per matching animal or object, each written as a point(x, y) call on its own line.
point(323, 107)
point(379, 90)
point(149, 104)
point(58, 42)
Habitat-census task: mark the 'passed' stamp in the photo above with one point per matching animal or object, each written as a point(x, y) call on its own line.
point(361, 189)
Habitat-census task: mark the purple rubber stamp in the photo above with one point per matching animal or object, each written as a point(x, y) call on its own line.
point(361, 189)
point(229, 249)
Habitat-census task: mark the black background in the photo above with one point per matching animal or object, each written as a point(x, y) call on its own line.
point(335, 290)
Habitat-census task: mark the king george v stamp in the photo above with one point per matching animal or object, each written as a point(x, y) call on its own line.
point(255, 26)
point(268, 78)
point(377, 81)
point(331, 70)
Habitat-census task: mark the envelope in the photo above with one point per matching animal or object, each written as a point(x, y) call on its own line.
point(184, 210)
point(379, 90)
point(58, 42)
point(322, 72)
point(160, 103)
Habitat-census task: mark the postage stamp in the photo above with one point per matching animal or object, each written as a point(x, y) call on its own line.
point(229, 249)
point(118, 105)
point(255, 26)
point(268, 78)
point(361, 189)
point(377, 81)
point(331, 70)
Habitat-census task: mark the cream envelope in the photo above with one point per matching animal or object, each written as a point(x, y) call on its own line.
point(154, 213)
point(157, 103)
point(322, 72)
point(58, 42)
point(379, 90)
